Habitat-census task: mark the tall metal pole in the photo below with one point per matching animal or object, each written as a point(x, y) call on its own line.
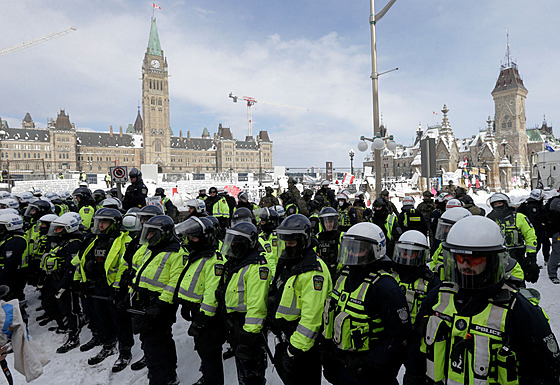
point(374, 81)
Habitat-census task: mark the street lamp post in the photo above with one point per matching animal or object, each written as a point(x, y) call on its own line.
point(373, 19)
point(378, 144)
point(351, 155)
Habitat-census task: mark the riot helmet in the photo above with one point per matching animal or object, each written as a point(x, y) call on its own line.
point(158, 230)
point(328, 217)
point(106, 220)
point(240, 240)
point(448, 219)
point(242, 214)
point(411, 249)
point(362, 244)
point(294, 236)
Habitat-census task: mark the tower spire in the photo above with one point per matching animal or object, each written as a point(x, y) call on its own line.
point(154, 47)
point(508, 60)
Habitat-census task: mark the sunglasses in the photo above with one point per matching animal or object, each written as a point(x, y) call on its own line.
point(472, 261)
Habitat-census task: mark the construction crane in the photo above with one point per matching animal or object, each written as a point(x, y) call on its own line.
point(26, 44)
point(251, 101)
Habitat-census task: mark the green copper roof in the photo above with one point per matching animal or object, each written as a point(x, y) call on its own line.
point(534, 136)
point(205, 132)
point(154, 48)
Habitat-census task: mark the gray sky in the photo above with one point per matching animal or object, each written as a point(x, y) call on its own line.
point(303, 53)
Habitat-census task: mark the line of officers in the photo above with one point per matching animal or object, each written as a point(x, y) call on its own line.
point(354, 316)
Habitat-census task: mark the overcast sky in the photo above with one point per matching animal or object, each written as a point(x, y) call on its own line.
point(306, 53)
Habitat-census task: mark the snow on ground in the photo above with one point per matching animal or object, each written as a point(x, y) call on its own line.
point(72, 367)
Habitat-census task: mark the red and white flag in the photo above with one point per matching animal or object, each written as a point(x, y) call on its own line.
point(156, 6)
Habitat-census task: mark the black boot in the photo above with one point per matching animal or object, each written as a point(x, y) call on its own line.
point(72, 342)
point(106, 351)
point(90, 344)
point(122, 362)
point(139, 365)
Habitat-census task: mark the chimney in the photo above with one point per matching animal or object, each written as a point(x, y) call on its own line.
point(188, 135)
point(120, 131)
point(180, 134)
point(111, 131)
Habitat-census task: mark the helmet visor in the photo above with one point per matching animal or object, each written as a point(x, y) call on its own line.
point(151, 235)
point(290, 244)
point(474, 269)
point(356, 251)
point(131, 223)
point(191, 227)
point(31, 211)
point(237, 220)
point(103, 225)
point(410, 255)
point(261, 214)
point(329, 222)
point(56, 229)
point(442, 229)
point(236, 244)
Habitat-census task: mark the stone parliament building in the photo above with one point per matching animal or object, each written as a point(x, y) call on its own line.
point(505, 149)
point(61, 147)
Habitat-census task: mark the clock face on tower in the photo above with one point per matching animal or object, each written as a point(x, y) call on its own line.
point(154, 63)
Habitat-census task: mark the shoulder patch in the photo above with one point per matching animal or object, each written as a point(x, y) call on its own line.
point(218, 269)
point(318, 282)
point(274, 242)
point(145, 191)
point(263, 273)
point(267, 247)
point(86, 210)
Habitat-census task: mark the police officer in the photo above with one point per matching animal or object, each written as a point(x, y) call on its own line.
point(412, 219)
point(12, 250)
point(427, 205)
point(535, 211)
point(196, 207)
point(367, 322)
point(246, 271)
point(158, 264)
point(298, 294)
point(388, 222)
point(474, 329)
point(98, 197)
point(86, 205)
point(329, 238)
point(211, 199)
point(99, 264)
point(392, 208)
point(269, 200)
point(196, 292)
point(60, 205)
point(440, 203)
point(294, 191)
point(267, 221)
point(411, 254)
point(34, 211)
point(243, 201)
point(136, 193)
point(57, 264)
point(445, 222)
point(346, 212)
point(108, 180)
point(221, 209)
point(290, 204)
point(168, 207)
point(202, 194)
point(327, 193)
point(521, 240)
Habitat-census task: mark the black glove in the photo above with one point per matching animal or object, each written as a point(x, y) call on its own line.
point(186, 313)
point(155, 309)
point(199, 322)
point(530, 268)
point(248, 346)
point(289, 358)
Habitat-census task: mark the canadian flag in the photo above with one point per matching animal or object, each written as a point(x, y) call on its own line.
point(348, 179)
point(156, 6)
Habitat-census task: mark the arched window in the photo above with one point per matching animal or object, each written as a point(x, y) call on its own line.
point(509, 124)
point(503, 124)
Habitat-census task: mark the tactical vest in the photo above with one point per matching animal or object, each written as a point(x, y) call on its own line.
point(412, 219)
point(52, 261)
point(345, 318)
point(6, 240)
point(328, 247)
point(343, 218)
point(469, 350)
point(415, 292)
point(514, 237)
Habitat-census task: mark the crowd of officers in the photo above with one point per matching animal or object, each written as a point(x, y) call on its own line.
point(346, 290)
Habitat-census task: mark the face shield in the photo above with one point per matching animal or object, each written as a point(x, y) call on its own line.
point(236, 244)
point(329, 222)
point(410, 255)
point(442, 229)
point(151, 235)
point(31, 211)
point(355, 251)
point(290, 244)
point(103, 225)
point(56, 230)
point(474, 269)
point(131, 223)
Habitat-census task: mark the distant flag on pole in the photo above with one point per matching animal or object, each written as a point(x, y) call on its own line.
point(547, 146)
point(156, 6)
